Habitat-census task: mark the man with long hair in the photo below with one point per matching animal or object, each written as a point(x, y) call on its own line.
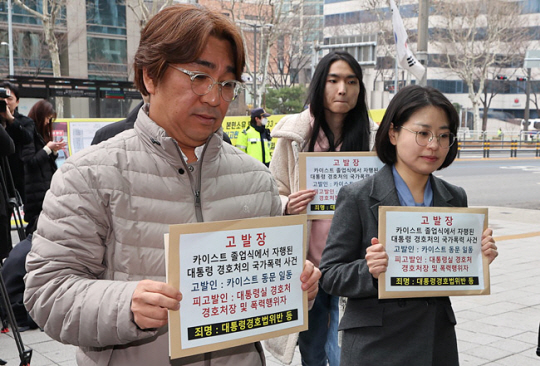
point(336, 120)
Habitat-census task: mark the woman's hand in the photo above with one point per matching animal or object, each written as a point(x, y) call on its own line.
point(488, 245)
point(298, 201)
point(376, 258)
point(56, 145)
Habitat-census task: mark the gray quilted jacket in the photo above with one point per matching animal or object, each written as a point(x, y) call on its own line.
point(101, 231)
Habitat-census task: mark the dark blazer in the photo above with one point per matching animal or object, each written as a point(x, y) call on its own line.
point(383, 332)
point(7, 147)
point(20, 131)
point(113, 129)
point(39, 168)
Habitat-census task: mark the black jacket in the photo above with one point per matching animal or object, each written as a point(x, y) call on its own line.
point(20, 131)
point(39, 168)
point(7, 147)
point(113, 129)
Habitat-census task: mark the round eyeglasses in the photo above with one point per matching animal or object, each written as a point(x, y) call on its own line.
point(424, 137)
point(202, 83)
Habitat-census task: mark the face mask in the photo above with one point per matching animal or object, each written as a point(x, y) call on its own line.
point(264, 121)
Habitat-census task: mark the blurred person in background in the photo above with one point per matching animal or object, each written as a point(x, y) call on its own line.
point(13, 271)
point(7, 147)
point(255, 139)
point(39, 158)
point(20, 128)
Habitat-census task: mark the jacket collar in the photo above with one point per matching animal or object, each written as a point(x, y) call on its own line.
point(296, 127)
point(383, 191)
point(441, 195)
point(155, 138)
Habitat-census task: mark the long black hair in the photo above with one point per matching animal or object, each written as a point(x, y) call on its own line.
point(355, 130)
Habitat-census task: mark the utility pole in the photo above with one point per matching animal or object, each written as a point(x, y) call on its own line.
point(526, 113)
point(10, 38)
point(532, 59)
point(422, 45)
point(255, 27)
point(254, 64)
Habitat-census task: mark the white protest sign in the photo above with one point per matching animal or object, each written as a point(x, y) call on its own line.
point(327, 173)
point(240, 282)
point(433, 251)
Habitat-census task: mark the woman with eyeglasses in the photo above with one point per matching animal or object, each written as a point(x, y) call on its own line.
point(39, 157)
point(415, 138)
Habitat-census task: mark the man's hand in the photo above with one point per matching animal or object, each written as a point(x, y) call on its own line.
point(7, 116)
point(376, 258)
point(310, 279)
point(150, 302)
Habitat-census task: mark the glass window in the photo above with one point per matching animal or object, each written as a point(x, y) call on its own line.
point(106, 16)
point(107, 58)
point(113, 51)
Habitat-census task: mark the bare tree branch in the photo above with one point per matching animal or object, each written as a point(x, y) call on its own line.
point(477, 37)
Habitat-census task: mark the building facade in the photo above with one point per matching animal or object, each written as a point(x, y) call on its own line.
point(505, 85)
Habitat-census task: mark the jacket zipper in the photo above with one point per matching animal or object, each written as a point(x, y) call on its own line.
point(195, 187)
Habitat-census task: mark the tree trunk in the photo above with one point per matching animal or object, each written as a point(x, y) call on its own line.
point(477, 121)
point(52, 44)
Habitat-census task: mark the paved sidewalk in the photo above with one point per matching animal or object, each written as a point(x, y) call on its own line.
point(499, 329)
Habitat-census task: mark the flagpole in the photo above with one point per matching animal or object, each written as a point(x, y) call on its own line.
point(422, 45)
point(396, 76)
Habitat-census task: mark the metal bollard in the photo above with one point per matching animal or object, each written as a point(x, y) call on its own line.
point(538, 149)
point(486, 148)
point(513, 149)
point(459, 149)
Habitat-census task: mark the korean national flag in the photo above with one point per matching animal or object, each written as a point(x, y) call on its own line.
point(405, 57)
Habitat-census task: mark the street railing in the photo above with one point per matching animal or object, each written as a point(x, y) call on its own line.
point(497, 141)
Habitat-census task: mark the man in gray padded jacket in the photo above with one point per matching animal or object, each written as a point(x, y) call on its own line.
point(96, 271)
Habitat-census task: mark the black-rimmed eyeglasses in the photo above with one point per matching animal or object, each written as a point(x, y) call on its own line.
point(424, 137)
point(202, 83)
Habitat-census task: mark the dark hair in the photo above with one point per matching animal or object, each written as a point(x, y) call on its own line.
point(39, 113)
point(404, 104)
point(178, 35)
point(12, 87)
point(355, 129)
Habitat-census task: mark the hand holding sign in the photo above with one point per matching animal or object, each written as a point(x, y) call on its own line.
point(376, 258)
point(151, 302)
point(489, 249)
point(298, 201)
point(310, 280)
